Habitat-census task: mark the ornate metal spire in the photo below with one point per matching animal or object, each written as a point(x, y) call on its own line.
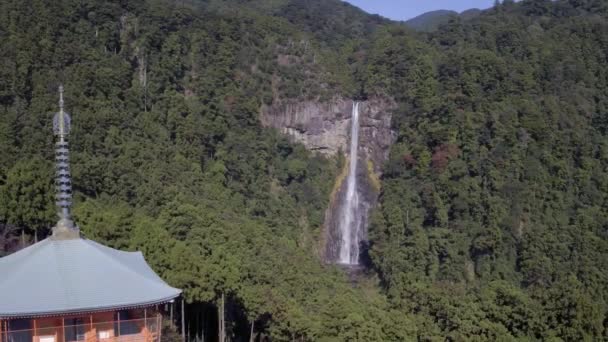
point(65, 228)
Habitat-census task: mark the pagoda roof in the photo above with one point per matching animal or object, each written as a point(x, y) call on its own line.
point(70, 276)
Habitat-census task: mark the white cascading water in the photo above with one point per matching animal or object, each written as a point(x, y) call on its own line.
point(349, 220)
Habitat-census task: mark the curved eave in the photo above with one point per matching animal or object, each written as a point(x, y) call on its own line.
point(82, 311)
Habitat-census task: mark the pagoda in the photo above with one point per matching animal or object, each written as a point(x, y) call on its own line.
point(68, 288)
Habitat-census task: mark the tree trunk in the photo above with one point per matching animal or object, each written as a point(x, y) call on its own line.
point(251, 337)
point(183, 321)
point(221, 322)
point(202, 309)
point(205, 324)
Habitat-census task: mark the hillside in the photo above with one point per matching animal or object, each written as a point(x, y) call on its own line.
point(331, 22)
point(492, 214)
point(431, 21)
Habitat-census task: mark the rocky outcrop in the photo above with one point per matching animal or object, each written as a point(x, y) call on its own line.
point(375, 134)
point(321, 127)
point(324, 127)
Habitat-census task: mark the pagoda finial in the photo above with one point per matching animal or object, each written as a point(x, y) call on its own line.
point(61, 97)
point(65, 228)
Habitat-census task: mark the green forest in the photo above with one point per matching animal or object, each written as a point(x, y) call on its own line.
point(492, 221)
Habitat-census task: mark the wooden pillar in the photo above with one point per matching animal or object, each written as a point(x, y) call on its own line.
point(159, 325)
point(92, 332)
point(183, 320)
point(118, 315)
point(63, 329)
point(35, 334)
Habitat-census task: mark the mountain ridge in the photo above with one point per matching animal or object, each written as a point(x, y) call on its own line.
point(430, 21)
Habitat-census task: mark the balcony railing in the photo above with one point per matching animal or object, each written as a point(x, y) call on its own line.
point(135, 330)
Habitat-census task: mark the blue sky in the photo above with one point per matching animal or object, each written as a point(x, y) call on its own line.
point(407, 9)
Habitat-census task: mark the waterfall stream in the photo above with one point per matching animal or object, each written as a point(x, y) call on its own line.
point(350, 221)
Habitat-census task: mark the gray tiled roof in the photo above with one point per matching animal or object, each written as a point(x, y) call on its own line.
point(77, 275)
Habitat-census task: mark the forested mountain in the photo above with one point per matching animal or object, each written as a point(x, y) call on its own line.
point(430, 21)
point(331, 22)
point(492, 222)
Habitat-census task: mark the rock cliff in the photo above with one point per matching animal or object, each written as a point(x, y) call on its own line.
point(324, 127)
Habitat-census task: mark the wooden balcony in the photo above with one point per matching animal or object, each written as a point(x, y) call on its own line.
point(95, 330)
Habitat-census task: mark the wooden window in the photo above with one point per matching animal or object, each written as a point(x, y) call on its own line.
point(75, 329)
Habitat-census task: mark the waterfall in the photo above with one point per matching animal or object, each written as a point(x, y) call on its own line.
point(350, 220)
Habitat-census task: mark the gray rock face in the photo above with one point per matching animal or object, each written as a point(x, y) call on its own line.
point(321, 127)
point(325, 128)
point(376, 135)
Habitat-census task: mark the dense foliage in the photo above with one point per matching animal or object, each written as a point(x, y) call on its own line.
point(493, 217)
point(495, 192)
